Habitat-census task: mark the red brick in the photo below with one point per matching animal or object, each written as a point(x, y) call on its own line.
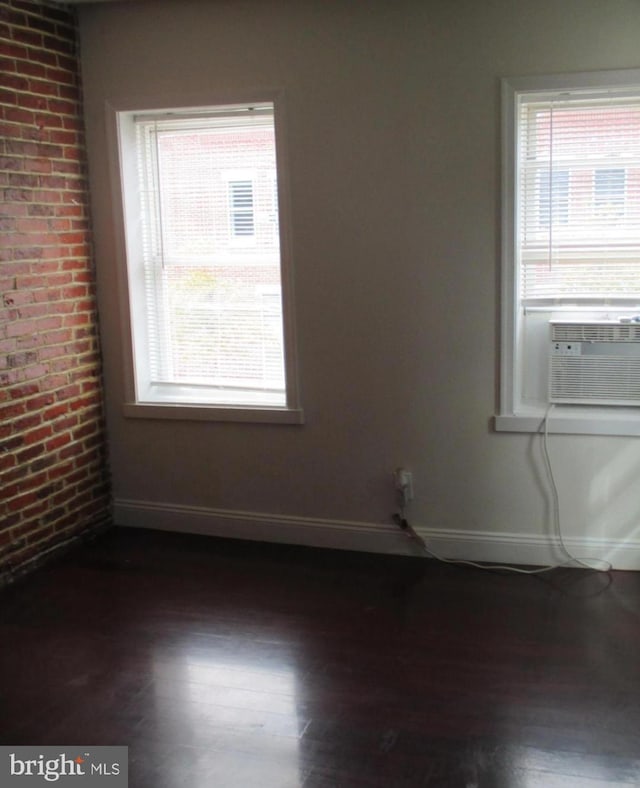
point(47, 196)
point(63, 364)
point(53, 382)
point(62, 75)
point(47, 120)
point(42, 462)
point(95, 440)
point(58, 442)
point(76, 320)
point(61, 469)
point(31, 420)
point(42, 56)
point(37, 371)
point(84, 431)
point(43, 25)
point(75, 265)
point(90, 385)
point(20, 328)
point(17, 195)
point(38, 434)
point(61, 307)
point(45, 267)
point(13, 50)
point(8, 97)
point(7, 65)
point(54, 412)
point(18, 115)
point(58, 279)
point(33, 253)
point(34, 133)
point(62, 425)
point(60, 225)
point(43, 87)
point(21, 502)
point(23, 391)
point(47, 295)
point(48, 353)
point(11, 377)
point(69, 167)
point(32, 482)
point(33, 310)
point(73, 123)
point(31, 38)
point(37, 165)
point(7, 461)
point(56, 516)
point(68, 392)
point(33, 69)
point(29, 454)
point(42, 533)
point(28, 342)
point(22, 181)
point(14, 209)
point(64, 137)
point(11, 411)
point(37, 403)
point(57, 337)
point(15, 82)
point(64, 496)
point(49, 323)
point(59, 45)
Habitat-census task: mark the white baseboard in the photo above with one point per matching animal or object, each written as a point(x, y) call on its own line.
point(485, 546)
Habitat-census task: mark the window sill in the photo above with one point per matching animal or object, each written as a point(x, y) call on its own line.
point(182, 412)
point(573, 420)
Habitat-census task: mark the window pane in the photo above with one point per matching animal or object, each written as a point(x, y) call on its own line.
point(579, 217)
point(211, 259)
point(241, 199)
point(609, 197)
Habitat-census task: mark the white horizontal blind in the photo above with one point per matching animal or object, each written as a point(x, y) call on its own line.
point(211, 254)
point(578, 195)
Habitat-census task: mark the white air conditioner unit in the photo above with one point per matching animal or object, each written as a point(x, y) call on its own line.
point(594, 363)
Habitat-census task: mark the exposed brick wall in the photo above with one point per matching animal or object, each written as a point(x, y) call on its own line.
point(53, 478)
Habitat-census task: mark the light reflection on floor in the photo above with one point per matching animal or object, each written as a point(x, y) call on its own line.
point(232, 718)
point(536, 768)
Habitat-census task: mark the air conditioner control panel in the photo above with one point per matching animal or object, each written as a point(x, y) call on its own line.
point(567, 348)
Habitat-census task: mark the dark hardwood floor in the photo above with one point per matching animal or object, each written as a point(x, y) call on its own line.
point(234, 664)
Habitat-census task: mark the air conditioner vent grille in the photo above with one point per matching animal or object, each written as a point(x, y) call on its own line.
point(595, 332)
point(595, 379)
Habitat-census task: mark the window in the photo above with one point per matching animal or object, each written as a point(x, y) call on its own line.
point(609, 193)
point(571, 228)
point(208, 279)
point(241, 209)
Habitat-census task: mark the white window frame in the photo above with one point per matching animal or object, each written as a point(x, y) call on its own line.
point(122, 159)
point(515, 414)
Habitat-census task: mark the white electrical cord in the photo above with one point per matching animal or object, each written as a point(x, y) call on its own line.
point(587, 563)
point(571, 559)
